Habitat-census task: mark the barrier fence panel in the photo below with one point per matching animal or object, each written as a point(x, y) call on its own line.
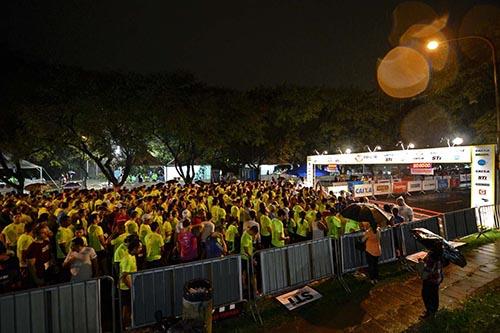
point(410, 245)
point(353, 259)
point(460, 223)
point(489, 216)
point(295, 265)
point(162, 288)
point(70, 307)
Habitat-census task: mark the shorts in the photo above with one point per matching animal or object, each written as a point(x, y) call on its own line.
point(126, 297)
point(245, 266)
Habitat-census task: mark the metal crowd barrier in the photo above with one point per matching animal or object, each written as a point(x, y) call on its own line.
point(352, 258)
point(295, 265)
point(410, 244)
point(69, 307)
point(489, 216)
point(460, 223)
point(162, 288)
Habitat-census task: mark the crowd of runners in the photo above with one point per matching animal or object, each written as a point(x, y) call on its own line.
point(48, 238)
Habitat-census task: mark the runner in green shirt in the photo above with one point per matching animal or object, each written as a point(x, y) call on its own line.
point(278, 230)
point(154, 246)
point(128, 265)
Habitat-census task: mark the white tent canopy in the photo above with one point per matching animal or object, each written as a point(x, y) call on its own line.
point(25, 165)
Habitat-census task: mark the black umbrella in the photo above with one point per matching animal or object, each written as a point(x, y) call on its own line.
point(430, 240)
point(366, 212)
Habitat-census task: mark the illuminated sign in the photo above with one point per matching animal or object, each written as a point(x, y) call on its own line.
point(421, 165)
point(482, 176)
point(460, 154)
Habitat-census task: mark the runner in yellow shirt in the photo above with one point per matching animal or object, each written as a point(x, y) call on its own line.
point(128, 265)
point(278, 230)
point(154, 246)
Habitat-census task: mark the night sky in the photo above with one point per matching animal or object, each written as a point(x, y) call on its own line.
point(238, 44)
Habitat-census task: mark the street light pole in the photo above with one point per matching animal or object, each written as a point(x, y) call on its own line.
point(432, 45)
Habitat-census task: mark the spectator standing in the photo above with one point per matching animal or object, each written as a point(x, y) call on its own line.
point(373, 250)
point(405, 211)
point(38, 256)
point(187, 244)
point(432, 276)
point(397, 219)
point(81, 261)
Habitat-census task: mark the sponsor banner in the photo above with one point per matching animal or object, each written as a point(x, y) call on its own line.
point(309, 173)
point(428, 185)
point(425, 165)
point(331, 168)
point(382, 188)
point(442, 184)
point(414, 186)
point(459, 154)
point(455, 182)
point(364, 190)
point(482, 175)
point(422, 171)
point(337, 188)
point(399, 187)
point(298, 297)
point(351, 184)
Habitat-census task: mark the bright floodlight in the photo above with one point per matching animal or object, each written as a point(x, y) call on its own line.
point(432, 45)
point(457, 141)
point(411, 146)
point(348, 151)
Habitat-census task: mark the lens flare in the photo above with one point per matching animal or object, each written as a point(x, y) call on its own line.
point(403, 73)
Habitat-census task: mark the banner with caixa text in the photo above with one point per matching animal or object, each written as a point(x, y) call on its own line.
point(483, 175)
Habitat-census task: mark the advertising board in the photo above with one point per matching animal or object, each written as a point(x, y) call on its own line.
point(428, 185)
point(414, 186)
point(383, 188)
point(399, 187)
point(483, 175)
point(363, 190)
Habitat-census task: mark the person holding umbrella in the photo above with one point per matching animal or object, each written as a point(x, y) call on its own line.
point(373, 250)
point(431, 268)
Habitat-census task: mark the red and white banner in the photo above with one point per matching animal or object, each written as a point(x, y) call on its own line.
point(399, 187)
point(421, 171)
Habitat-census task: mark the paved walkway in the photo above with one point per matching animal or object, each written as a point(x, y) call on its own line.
point(393, 307)
point(396, 306)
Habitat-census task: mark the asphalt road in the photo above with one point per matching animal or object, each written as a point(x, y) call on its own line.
point(438, 202)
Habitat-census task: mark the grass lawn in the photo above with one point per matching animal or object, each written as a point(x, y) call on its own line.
point(481, 313)
point(335, 299)
point(474, 242)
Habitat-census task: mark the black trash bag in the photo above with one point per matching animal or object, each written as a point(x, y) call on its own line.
point(430, 240)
